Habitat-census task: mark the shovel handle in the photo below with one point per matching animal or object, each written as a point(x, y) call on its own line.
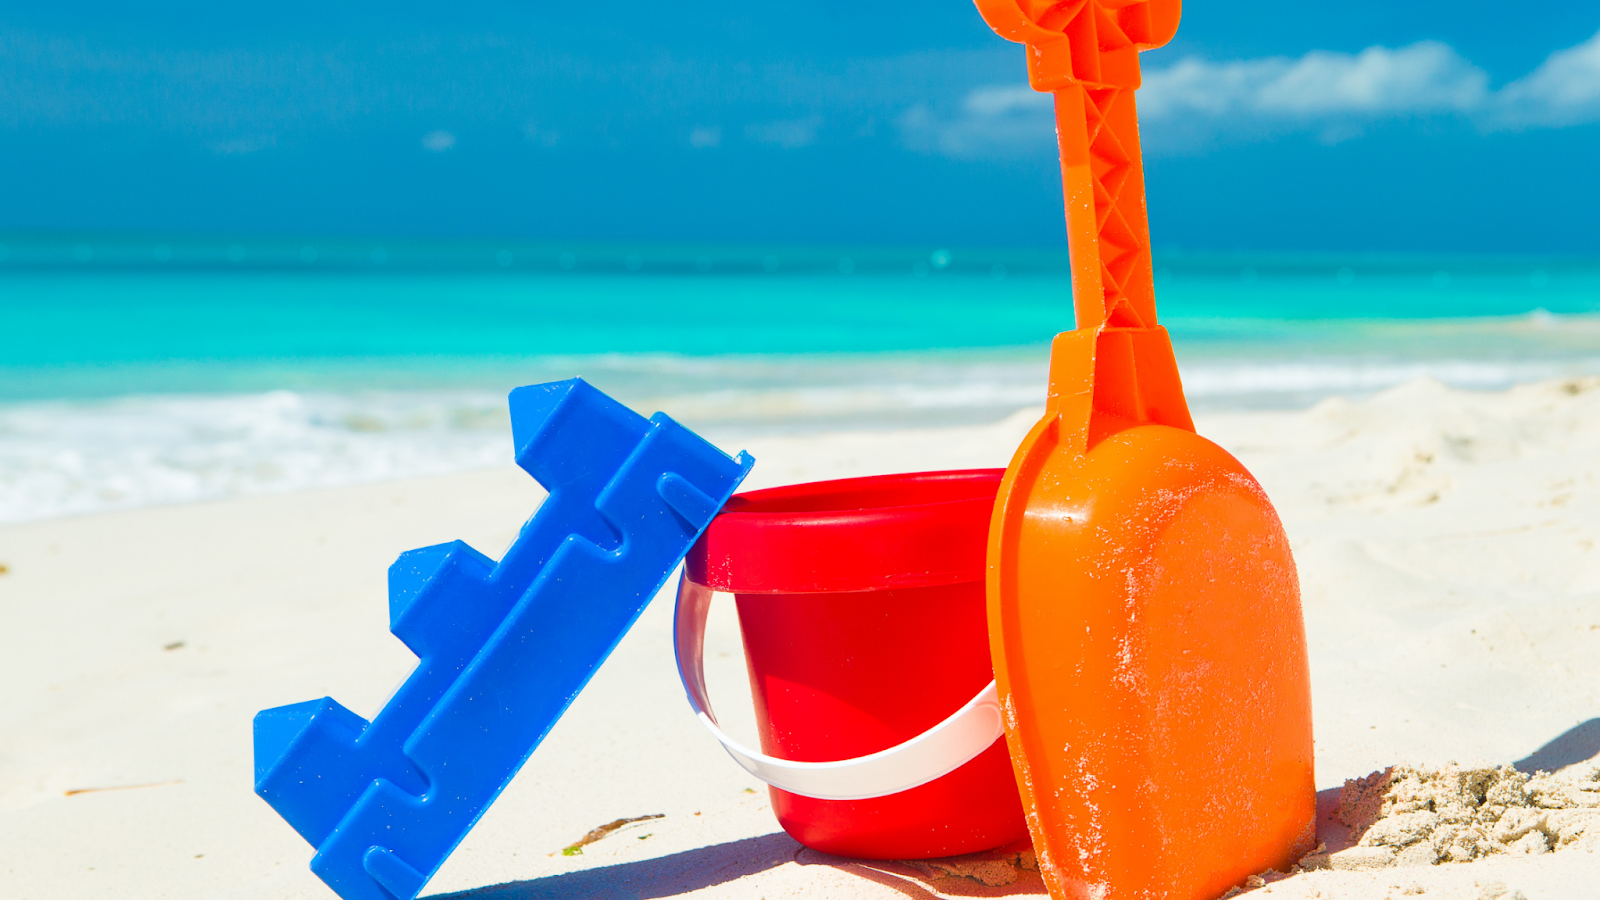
point(1087, 54)
point(1117, 369)
point(1108, 232)
point(933, 754)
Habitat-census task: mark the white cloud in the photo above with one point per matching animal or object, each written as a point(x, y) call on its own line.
point(1423, 77)
point(704, 137)
point(438, 141)
point(243, 145)
point(540, 135)
point(1007, 100)
point(1564, 90)
point(788, 133)
point(1195, 102)
point(994, 121)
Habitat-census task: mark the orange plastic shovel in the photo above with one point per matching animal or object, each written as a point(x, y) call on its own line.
point(1144, 610)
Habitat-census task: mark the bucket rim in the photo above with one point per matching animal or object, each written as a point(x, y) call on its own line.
point(809, 499)
point(878, 532)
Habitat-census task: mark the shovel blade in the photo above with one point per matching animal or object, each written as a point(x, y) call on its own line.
point(1147, 637)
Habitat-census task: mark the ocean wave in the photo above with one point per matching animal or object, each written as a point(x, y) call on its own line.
point(73, 457)
point(67, 458)
point(1223, 380)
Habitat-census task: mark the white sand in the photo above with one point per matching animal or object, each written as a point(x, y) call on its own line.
point(1446, 544)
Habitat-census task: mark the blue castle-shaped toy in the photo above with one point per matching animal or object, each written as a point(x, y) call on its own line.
point(504, 647)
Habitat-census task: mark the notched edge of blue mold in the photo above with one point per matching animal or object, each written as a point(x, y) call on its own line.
point(503, 647)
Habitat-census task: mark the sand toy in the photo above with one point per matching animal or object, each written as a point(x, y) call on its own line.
point(505, 647)
point(1144, 609)
point(861, 603)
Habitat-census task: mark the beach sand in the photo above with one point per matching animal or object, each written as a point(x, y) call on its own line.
point(1446, 545)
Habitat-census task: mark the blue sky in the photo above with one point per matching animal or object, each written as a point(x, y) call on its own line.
point(1434, 127)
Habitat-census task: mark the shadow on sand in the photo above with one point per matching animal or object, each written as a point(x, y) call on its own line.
point(1577, 744)
point(664, 876)
point(692, 870)
point(704, 867)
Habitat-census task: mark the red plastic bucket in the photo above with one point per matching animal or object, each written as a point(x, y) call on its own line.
point(861, 603)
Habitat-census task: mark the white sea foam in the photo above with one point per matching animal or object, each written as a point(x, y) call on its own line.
point(64, 458)
point(1222, 380)
point(71, 457)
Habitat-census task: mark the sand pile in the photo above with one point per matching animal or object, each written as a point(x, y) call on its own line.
point(997, 868)
point(1410, 815)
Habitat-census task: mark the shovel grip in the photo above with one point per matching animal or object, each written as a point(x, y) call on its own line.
point(1116, 370)
point(1087, 55)
point(1108, 230)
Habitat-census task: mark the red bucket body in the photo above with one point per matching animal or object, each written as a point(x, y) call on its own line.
point(861, 603)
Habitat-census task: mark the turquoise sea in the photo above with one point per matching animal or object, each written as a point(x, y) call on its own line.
point(138, 370)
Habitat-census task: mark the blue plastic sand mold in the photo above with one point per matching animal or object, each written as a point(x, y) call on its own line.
point(504, 648)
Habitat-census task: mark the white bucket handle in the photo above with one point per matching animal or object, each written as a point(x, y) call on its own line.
point(938, 751)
